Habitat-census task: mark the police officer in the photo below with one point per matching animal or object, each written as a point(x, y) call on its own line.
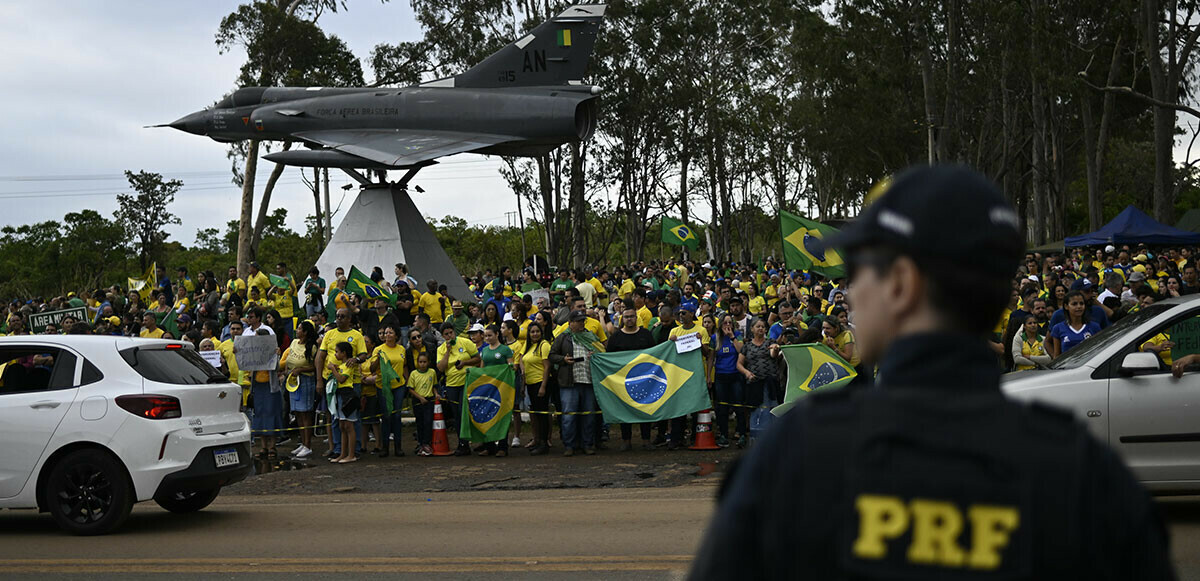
point(932, 473)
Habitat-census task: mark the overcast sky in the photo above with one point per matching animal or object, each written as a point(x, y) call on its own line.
point(82, 78)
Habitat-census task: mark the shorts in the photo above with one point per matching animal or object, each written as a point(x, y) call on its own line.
point(338, 414)
point(304, 397)
point(372, 407)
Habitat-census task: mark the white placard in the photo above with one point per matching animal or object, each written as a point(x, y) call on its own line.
point(255, 352)
point(686, 343)
point(212, 357)
point(539, 294)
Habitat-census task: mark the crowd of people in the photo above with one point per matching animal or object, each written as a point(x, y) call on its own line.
point(343, 357)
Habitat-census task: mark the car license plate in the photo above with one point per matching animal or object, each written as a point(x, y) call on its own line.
point(226, 457)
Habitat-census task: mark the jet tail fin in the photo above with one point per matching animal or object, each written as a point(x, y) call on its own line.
point(554, 53)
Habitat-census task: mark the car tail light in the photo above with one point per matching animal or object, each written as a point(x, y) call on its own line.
point(175, 346)
point(154, 407)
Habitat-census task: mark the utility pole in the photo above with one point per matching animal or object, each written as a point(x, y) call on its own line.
point(328, 210)
point(521, 218)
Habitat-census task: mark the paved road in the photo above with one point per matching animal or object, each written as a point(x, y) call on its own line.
point(641, 533)
point(589, 534)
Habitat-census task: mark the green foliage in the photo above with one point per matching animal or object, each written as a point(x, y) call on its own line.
point(284, 50)
point(144, 213)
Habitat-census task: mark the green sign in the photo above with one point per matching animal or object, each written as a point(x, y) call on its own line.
point(38, 321)
point(1186, 337)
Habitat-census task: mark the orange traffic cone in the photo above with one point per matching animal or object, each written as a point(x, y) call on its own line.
point(441, 446)
point(704, 433)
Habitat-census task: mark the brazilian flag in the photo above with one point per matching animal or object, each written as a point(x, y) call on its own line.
point(803, 249)
point(649, 385)
point(280, 281)
point(387, 376)
point(489, 396)
point(362, 285)
point(331, 304)
point(811, 367)
point(678, 233)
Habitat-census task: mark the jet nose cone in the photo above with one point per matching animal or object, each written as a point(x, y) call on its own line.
point(195, 123)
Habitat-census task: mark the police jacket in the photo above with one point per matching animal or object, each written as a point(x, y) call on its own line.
point(932, 474)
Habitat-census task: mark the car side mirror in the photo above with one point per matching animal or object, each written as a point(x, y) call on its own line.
point(1139, 364)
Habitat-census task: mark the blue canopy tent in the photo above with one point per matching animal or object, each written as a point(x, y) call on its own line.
point(1133, 226)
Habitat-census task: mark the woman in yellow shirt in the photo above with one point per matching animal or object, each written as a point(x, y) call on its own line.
point(298, 364)
point(1029, 347)
point(348, 374)
point(756, 304)
point(841, 340)
point(392, 353)
point(534, 366)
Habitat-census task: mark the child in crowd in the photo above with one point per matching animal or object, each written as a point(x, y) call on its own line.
point(420, 386)
point(348, 374)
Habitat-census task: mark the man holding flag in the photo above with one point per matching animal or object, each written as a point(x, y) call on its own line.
point(935, 473)
point(570, 353)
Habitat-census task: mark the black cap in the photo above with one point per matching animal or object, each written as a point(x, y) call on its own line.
point(577, 316)
point(949, 214)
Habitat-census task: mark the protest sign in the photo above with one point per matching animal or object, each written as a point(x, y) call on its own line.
point(255, 352)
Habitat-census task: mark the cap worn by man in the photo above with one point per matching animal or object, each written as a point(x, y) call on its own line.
point(577, 316)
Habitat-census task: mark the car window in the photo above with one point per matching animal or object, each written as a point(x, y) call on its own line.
point(1171, 340)
point(1113, 334)
point(25, 369)
point(176, 366)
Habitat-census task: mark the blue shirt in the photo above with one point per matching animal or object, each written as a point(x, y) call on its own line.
point(1069, 337)
point(1095, 315)
point(689, 303)
point(501, 305)
point(727, 356)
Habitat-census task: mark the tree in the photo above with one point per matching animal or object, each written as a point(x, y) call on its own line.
point(282, 49)
point(144, 213)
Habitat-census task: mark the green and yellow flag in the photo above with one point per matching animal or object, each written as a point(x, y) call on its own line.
point(678, 233)
point(564, 37)
point(362, 285)
point(167, 322)
point(387, 375)
point(489, 396)
point(802, 248)
point(811, 367)
point(281, 281)
point(649, 385)
point(144, 285)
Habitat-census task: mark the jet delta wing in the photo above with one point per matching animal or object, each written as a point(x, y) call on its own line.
point(524, 100)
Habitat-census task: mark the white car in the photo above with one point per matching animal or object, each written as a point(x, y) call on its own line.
point(1129, 398)
point(89, 425)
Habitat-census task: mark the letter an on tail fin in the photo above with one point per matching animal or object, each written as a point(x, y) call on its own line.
point(555, 53)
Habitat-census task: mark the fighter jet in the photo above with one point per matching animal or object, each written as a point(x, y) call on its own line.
point(524, 100)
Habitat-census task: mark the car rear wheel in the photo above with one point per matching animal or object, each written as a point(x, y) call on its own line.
point(185, 502)
point(88, 493)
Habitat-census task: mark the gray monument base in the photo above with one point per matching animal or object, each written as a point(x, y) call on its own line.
point(384, 227)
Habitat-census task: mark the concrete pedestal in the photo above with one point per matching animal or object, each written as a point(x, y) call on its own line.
point(384, 227)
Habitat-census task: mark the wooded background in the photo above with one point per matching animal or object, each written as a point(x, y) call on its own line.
point(721, 113)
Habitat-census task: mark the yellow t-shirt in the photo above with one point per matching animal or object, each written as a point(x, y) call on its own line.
point(461, 350)
point(182, 305)
point(235, 286)
point(260, 281)
point(393, 355)
point(416, 304)
point(644, 316)
point(772, 295)
point(368, 389)
point(1157, 340)
point(293, 358)
point(596, 284)
point(679, 331)
point(1031, 349)
point(1002, 325)
point(431, 304)
point(535, 361)
point(844, 338)
point(157, 333)
point(518, 349)
point(757, 305)
point(329, 346)
point(626, 288)
point(226, 349)
point(351, 372)
point(590, 324)
point(422, 382)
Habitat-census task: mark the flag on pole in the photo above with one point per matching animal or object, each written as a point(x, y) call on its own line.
point(168, 324)
point(678, 233)
point(489, 398)
point(811, 367)
point(280, 281)
point(803, 249)
point(649, 385)
point(362, 285)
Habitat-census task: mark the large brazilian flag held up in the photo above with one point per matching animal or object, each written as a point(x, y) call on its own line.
point(489, 402)
point(678, 233)
point(811, 367)
point(802, 246)
point(649, 385)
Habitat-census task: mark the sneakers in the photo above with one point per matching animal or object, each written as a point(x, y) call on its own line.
point(538, 450)
point(297, 449)
point(647, 446)
point(302, 452)
point(660, 440)
point(589, 451)
point(741, 441)
point(626, 446)
point(722, 441)
point(424, 451)
point(569, 452)
point(516, 442)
